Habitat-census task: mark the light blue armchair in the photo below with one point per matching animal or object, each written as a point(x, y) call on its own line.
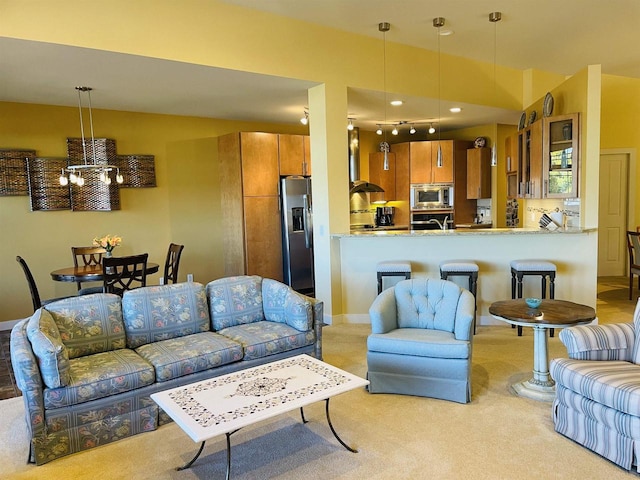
point(421, 340)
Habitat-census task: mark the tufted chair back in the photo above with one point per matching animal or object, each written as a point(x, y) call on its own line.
point(427, 303)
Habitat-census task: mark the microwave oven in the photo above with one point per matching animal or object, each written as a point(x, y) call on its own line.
point(431, 196)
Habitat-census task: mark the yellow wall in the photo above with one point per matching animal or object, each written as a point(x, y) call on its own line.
point(183, 208)
point(620, 119)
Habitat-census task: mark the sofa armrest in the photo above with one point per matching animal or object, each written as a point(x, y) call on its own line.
point(383, 312)
point(28, 379)
point(599, 342)
point(463, 328)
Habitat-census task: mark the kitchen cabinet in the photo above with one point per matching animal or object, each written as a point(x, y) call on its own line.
point(250, 204)
point(511, 165)
point(423, 162)
point(478, 173)
point(384, 178)
point(294, 154)
point(402, 215)
point(530, 161)
point(561, 155)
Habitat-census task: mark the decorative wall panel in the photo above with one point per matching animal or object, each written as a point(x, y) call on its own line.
point(45, 190)
point(13, 171)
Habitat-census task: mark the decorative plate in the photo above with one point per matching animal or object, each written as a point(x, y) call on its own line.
point(548, 105)
point(523, 119)
point(532, 117)
point(479, 142)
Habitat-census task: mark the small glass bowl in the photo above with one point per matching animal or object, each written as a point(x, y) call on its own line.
point(533, 302)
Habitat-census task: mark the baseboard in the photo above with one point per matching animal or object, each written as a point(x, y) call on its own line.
point(8, 325)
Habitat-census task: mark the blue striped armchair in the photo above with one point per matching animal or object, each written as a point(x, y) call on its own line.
point(597, 400)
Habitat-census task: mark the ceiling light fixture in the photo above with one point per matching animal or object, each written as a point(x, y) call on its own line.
point(350, 126)
point(394, 131)
point(495, 17)
point(396, 103)
point(379, 130)
point(412, 130)
point(384, 27)
point(76, 171)
point(431, 130)
point(455, 109)
point(305, 119)
point(438, 22)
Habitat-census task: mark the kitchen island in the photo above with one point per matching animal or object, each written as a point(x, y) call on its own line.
point(574, 251)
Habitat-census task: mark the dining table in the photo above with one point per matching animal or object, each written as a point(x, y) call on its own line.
point(89, 273)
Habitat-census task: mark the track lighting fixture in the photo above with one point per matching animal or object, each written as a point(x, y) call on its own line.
point(431, 129)
point(412, 130)
point(379, 130)
point(305, 119)
point(350, 126)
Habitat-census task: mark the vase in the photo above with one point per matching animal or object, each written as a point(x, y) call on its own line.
point(108, 254)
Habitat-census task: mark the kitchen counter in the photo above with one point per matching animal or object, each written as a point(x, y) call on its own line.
point(378, 232)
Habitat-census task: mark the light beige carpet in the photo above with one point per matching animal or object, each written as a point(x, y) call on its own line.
point(497, 436)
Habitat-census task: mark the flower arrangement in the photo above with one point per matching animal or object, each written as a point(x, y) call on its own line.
point(108, 242)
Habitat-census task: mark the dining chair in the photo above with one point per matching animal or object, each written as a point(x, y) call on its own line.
point(35, 296)
point(85, 256)
point(633, 244)
point(124, 273)
point(172, 263)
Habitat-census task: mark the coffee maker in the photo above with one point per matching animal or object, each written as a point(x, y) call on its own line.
point(384, 216)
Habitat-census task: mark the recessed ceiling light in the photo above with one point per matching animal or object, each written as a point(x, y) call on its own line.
point(455, 110)
point(446, 33)
point(396, 103)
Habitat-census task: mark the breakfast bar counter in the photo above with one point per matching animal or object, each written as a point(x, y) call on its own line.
point(574, 251)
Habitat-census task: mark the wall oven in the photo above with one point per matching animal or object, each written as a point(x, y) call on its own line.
point(431, 196)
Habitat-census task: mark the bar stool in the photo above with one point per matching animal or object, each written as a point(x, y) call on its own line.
point(463, 269)
point(520, 268)
point(392, 268)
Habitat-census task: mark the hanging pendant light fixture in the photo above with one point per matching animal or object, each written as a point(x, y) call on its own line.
point(384, 27)
point(438, 22)
point(76, 171)
point(495, 17)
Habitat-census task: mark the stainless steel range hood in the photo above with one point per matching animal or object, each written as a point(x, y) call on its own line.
point(357, 185)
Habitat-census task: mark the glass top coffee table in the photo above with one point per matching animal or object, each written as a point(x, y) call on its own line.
point(225, 404)
point(550, 314)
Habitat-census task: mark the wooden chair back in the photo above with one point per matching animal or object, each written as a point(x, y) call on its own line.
point(172, 263)
point(124, 273)
point(83, 256)
point(35, 296)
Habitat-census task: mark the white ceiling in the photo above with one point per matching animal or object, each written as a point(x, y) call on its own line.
point(551, 35)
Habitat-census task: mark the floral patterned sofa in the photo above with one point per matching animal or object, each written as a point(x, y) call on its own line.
point(87, 365)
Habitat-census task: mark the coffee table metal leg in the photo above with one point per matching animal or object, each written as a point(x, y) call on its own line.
point(190, 462)
point(304, 420)
point(334, 431)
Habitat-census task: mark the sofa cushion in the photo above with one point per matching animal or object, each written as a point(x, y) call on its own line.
point(613, 383)
point(161, 312)
point(89, 324)
point(261, 339)
point(235, 301)
point(283, 304)
point(100, 375)
point(419, 342)
point(427, 303)
point(181, 356)
point(636, 326)
point(50, 352)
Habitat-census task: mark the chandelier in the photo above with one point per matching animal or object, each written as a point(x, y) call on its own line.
point(76, 172)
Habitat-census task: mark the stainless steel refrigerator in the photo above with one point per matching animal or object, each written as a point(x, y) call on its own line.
point(297, 233)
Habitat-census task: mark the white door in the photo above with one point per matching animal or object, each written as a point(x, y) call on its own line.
point(612, 216)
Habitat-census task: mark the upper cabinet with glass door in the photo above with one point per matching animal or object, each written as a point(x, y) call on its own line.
point(561, 155)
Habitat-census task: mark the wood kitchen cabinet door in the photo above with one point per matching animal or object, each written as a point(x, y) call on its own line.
point(384, 178)
point(443, 174)
point(259, 163)
point(263, 239)
point(478, 173)
point(401, 151)
point(420, 162)
point(294, 152)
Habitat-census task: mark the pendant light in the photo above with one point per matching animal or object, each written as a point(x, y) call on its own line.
point(384, 146)
point(76, 171)
point(438, 22)
point(495, 17)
